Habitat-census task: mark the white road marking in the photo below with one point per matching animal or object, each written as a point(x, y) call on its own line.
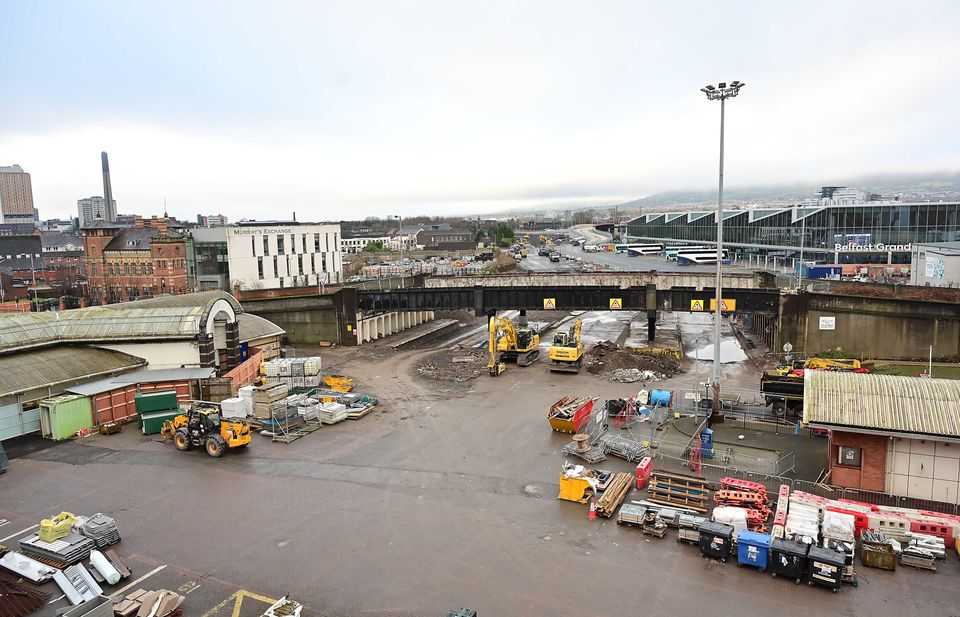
point(14, 535)
point(57, 599)
point(142, 578)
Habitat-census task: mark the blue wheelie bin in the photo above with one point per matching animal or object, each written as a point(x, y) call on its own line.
point(753, 549)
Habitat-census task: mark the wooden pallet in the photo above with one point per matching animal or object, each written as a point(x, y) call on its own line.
point(695, 505)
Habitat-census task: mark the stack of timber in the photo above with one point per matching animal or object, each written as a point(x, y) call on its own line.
point(676, 490)
point(17, 599)
point(615, 494)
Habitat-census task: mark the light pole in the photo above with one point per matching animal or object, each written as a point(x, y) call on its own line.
point(803, 235)
point(402, 242)
point(721, 92)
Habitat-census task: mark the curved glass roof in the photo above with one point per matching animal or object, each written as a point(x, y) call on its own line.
point(99, 324)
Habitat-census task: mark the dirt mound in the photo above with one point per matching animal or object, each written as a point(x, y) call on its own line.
point(607, 361)
point(458, 365)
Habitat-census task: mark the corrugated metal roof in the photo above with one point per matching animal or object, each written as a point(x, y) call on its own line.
point(34, 369)
point(885, 403)
point(253, 327)
point(141, 376)
point(25, 330)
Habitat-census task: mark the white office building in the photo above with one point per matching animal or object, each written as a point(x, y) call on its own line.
point(95, 208)
point(267, 255)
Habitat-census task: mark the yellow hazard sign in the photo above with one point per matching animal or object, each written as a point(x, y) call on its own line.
point(616, 304)
point(726, 304)
point(696, 305)
point(549, 304)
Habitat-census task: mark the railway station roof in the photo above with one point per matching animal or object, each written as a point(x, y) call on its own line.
point(883, 404)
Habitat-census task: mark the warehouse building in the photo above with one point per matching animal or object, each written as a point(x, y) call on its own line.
point(172, 342)
point(888, 434)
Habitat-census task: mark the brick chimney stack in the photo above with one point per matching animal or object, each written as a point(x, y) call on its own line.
point(138, 222)
point(161, 225)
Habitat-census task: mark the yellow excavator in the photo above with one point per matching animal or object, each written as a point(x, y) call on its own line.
point(830, 364)
point(566, 352)
point(506, 343)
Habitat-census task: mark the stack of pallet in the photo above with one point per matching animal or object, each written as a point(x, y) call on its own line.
point(100, 528)
point(269, 399)
point(614, 494)
point(68, 550)
point(677, 490)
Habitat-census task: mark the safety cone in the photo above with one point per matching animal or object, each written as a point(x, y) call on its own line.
point(593, 510)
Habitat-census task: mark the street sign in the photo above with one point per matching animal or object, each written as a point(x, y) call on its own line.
point(828, 323)
point(549, 304)
point(696, 305)
point(616, 304)
point(726, 304)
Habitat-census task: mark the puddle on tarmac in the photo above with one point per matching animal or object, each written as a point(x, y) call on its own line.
point(730, 352)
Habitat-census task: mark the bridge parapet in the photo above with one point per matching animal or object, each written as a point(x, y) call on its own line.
point(620, 280)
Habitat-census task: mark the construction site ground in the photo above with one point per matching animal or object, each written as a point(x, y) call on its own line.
point(444, 497)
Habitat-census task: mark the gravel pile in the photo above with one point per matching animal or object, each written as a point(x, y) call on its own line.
point(459, 365)
point(607, 361)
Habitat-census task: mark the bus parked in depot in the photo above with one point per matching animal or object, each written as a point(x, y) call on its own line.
point(705, 257)
point(671, 251)
point(639, 249)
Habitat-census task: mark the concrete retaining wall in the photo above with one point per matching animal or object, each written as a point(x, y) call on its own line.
point(870, 327)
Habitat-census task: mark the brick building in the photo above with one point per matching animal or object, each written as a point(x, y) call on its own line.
point(127, 263)
point(889, 434)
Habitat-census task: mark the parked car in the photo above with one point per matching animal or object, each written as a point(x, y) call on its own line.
point(543, 252)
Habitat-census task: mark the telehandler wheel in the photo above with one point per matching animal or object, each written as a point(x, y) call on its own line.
point(215, 446)
point(181, 439)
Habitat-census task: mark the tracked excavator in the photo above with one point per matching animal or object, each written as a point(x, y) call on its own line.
point(507, 343)
point(566, 352)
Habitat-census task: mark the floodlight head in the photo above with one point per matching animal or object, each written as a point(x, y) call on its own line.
point(735, 84)
point(722, 85)
point(709, 87)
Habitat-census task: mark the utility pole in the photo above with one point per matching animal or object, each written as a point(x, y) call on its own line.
point(719, 92)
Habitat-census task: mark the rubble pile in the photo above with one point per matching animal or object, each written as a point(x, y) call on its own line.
point(458, 365)
point(608, 361)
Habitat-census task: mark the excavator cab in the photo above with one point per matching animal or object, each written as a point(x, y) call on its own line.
point(560, 339)
point(566, 353)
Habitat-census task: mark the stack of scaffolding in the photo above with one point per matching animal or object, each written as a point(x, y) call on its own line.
point(100, 528)
point(294, 372)
point(632, 450)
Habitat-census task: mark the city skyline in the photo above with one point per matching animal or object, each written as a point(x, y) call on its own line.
point(378, 109)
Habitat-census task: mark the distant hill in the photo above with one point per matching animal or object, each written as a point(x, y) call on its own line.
point(922, 187)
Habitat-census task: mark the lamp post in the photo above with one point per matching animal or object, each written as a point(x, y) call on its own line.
point(721, 92)
point(403, 241)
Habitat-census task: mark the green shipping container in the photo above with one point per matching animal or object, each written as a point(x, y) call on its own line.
point(156, 401)
point(152, 423)
point(62, 416)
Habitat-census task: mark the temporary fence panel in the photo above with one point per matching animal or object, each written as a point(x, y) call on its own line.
point(246, 372)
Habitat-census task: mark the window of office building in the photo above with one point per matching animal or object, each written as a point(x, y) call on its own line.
point(253, 245)
point(260, 268)
point(316, 242)
point(266, 247)
point(303, 239)
point(300, 262)
point(279, 244)
point(276, 270)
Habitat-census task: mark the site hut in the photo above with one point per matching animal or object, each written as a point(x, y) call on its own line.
point(888, 434)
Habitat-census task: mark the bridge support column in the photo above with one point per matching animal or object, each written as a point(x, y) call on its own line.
point(651, 304)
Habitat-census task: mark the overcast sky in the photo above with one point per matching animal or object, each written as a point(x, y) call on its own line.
point(339, 110)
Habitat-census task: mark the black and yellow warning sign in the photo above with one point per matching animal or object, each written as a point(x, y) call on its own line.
point(726, 304)
point(696, 305)
point(549, 304)
point(616, 304)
